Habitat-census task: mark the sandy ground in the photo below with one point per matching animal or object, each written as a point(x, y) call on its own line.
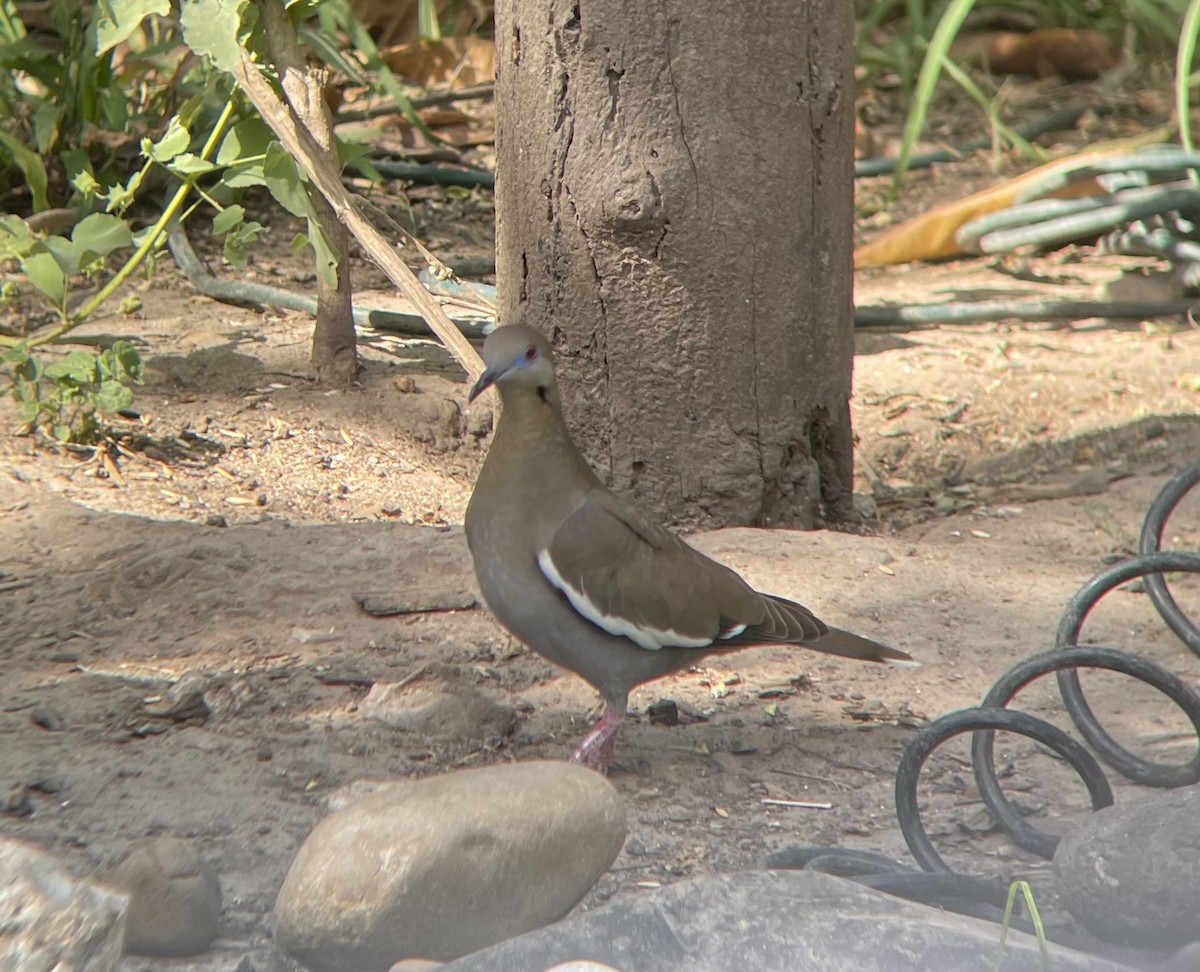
point(1006, 463)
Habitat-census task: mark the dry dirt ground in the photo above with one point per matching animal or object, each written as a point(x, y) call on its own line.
point(1006, 462)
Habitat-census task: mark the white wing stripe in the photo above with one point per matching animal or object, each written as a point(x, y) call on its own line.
point(644, 637)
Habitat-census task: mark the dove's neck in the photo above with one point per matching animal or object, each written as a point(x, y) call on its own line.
point(533, 446)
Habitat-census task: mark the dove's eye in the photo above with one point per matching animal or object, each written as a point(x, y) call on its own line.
point(530, 352)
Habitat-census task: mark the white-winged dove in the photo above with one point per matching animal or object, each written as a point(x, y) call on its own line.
point(584, 578)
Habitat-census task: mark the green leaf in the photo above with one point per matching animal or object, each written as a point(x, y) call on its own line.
point(30, 164)
point(189, 164)
point(326, 256)
point(86, 185)
point(26, 368)
point(175, 141)
point(46, 123)
point(284, 182)
point(16, 238)
point(210, 28)
point(100, 233)
point(120, 197)
point(28, 412)
point(243, 176)
point(68, 254)
point(121, 362)
point(44, 273)
point(117, 19)
point(79, 366)
point(248, 139)
point(112, 396)
point(227, 219)
point(237, 241)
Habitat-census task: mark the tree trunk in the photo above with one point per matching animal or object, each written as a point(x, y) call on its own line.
point(674, 208)
point(335, 341)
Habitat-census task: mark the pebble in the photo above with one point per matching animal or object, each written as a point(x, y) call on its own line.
point(48, 718)
point(440, 704)
point(17, 802)
point(440, 867)
point(1129, 872)
point(174, 897)
point(51, 920)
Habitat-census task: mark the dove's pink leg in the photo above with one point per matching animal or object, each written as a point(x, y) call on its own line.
point(596, 750)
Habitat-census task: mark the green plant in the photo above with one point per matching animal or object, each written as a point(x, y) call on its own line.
point(213, 148)
point(895, 35)
point(63, 397)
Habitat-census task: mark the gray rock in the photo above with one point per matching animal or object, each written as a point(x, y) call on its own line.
point(441, 704)
point(1131, 872)
point(50, 920)
point(440, 867)
point(174, 897)
point(779, 920)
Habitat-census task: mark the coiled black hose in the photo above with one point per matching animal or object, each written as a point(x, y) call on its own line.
point(1117, 756)
point(1065, 660)
point(1150, 542)
point(937, 884)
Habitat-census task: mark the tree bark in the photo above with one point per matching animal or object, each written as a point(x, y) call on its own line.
point(674, 207)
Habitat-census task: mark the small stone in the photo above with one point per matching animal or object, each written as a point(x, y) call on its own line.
point(174, 897)
point(215, 520)
point(663, 712)
point(395, 874)
point(1128, 872)
point(45, 781)
point(48, 718)
point(184, 701)
point(865, 506)
point(50, 920)
point(441, 704)
point(17, 802)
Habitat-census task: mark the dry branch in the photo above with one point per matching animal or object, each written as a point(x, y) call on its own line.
point(328, 180)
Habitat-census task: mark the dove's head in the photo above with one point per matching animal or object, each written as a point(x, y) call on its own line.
point(516, 357)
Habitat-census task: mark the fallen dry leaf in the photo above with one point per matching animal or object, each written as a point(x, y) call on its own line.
point(1075, 55)
point(931, 236)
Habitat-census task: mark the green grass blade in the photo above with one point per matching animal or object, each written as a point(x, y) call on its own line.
point(1183, 68)
point(1034, 916)
point(1000, 132)
point(931, 69)
point(427, 21)
point(365, 45)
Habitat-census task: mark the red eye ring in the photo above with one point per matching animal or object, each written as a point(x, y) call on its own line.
point(531, 352)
